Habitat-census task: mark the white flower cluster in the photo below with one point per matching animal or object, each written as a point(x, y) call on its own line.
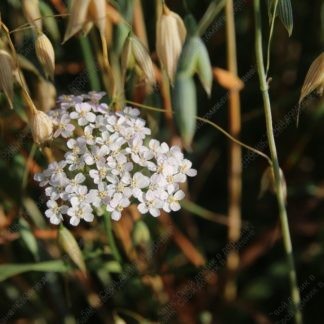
point(109, 163)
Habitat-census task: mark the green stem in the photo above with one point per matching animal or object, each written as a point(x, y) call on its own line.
point(275, 164)
point(270, 34)
point(110, 236)
point(211, 13)
point(90, 63)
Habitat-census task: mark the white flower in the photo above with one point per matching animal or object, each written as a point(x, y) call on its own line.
point(78, 212)
point(63, 127)
point(56, 172)
point(172, 202)
point(150, 203)
point(109, 163)
point(139, 181)
point(116, 205)
point(88, 137)
point(54, 212)
point(74, 184)
point(83, 114)
point(97, 154)
point(100, 172)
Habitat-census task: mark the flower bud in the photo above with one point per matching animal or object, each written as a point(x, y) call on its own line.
point(170, 36)
point(45, 54)
point(6, 75)
point(41, 126)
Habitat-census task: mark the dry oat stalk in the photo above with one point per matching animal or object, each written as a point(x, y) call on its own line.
point(45, 54)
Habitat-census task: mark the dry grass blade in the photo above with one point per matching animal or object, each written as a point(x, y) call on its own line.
point(6, 75)
point(227, 79)
point(77, 18)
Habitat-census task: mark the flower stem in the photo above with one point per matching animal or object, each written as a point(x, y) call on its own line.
point(110, 236)
point(275, 164)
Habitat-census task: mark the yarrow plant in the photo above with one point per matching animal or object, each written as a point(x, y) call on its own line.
point(109, 163)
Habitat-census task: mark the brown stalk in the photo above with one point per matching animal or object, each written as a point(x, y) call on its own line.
point(235, 166)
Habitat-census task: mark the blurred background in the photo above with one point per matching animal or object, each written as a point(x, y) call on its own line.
point(173, 268)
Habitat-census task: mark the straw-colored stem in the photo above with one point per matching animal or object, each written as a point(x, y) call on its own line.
point(235, 157)
point(275, 165)
point(110, 236)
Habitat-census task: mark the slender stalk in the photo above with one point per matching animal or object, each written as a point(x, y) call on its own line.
point(275, 164)
point(235, 158)
point(211, 13)
point(207, 121)
point(270, 34)
point(110, 236)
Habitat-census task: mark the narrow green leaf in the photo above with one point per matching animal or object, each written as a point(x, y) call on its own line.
point(9, 270)
point(28, 238)
point(70, 246)
point(33, 211)
point(286, 15)
point(50, 22)
point(185, 106)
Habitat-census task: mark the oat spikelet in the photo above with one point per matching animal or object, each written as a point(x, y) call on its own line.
point(6, 76)
point(98, 15)
point(45, 54)
point(314, 78)
point(32, 12)
point(170, 36)
point(77, 19)
point(142, 58)
point(41, 126)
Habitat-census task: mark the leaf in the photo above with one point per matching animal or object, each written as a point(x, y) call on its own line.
point(185, 106)
point(227, 79)
point(9, 270)
point(28, 238)
point(70, 246)
point(286, 15)
point(50, 22)
point(33, 211)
